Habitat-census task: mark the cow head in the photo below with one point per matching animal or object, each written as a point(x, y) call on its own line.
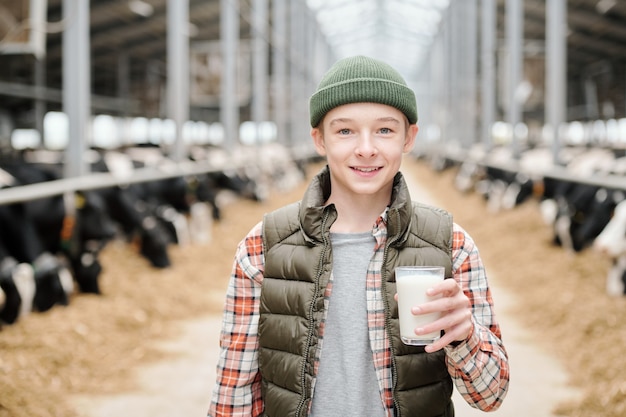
point(53, 281)
point(18, 286)
point(154, 242)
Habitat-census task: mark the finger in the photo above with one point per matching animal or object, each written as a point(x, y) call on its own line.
point(437, 345)
point(447, 286)
point(442, 305)
point(452, 335)
point(456, 323)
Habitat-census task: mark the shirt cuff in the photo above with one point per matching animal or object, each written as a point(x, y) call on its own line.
point(461, 352)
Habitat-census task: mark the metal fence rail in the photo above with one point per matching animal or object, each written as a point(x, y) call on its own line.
point(616, 182)
point(103, 180)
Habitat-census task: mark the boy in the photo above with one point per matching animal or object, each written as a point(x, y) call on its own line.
point(311, 321)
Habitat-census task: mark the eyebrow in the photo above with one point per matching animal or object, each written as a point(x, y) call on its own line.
point(380, 119)
point(340, 120)
point(389, 119)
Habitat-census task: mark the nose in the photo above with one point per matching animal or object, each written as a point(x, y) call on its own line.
point(366, 146)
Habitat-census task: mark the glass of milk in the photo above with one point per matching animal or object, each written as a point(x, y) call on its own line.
point(411, 284)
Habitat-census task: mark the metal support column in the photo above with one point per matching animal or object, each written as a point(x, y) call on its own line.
point(76, 83)
point(178, 70)
point(279, 82)
point(488, 71)
point(306, 55)
point(123, 78)
point(229, 105)
point(424, 90)
point(316, 45)
point(295, 40)
point(514, 38)
point(556, 70)
point(442, 78)
point(453, 57)
point(40, 103)
point(313, 37)
point(468, 71)
point(259, 63)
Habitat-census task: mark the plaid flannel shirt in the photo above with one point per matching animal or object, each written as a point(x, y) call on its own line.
point(478, 365)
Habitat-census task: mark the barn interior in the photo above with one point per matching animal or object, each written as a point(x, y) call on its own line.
point(200, 88)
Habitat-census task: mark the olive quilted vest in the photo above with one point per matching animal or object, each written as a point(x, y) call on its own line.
point(298, 264)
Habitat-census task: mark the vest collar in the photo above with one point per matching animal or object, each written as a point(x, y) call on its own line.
point(315, 217)
point(400, 211)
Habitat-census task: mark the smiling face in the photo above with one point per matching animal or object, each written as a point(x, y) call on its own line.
point(363, 144)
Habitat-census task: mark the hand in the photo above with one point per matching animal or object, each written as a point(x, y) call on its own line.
point(456, 314)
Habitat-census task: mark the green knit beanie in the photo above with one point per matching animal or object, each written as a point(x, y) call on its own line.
point(360, 79)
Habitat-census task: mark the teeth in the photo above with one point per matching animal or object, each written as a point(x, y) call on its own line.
point(366, 169)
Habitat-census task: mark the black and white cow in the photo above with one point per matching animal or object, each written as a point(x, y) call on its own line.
point(138, 224)
point(134, 216)
point(174, 201)
point(52, 279)
point(577, 212)
point(17, 283)
point(75, 227)
point(502, 179)
point(505, 189)
point(612, 243)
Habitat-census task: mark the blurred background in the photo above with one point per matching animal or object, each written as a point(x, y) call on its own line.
point(137, 136)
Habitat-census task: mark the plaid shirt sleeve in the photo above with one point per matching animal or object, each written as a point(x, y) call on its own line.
point(237, 392)
point(478, 365)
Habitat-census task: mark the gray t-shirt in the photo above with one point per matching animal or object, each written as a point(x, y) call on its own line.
point(346, 383)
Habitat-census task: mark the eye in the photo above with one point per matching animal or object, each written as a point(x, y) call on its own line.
point(344, 131)
point(385, 131)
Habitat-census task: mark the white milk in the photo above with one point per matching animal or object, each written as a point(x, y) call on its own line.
point(412, 283)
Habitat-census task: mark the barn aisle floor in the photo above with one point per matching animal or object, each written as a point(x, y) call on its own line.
point(181, 385)
point(177, 387)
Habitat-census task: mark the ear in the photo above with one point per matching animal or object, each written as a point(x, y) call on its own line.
point(409, 141)
point(318, 141)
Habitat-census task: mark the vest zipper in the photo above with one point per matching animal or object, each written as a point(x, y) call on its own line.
point(394, 374)
point(311, 316)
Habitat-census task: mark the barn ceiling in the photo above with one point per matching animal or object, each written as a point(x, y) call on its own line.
point(597, 36)
point(399, 32)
